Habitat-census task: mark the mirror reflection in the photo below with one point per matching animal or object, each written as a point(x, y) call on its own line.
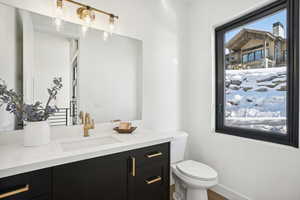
point(100, 75)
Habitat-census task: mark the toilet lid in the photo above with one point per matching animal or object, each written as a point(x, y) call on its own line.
point(197, 170)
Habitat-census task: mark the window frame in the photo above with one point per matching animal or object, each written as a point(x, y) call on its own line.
point(292, 136)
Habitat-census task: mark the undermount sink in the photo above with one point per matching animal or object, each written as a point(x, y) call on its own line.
point(88, 143)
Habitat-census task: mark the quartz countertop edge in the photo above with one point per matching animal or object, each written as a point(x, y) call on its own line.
point(15, 160)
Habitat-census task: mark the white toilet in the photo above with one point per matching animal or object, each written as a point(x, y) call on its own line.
point(191, 178)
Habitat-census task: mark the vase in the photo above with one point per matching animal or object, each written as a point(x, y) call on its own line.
point(36, 133)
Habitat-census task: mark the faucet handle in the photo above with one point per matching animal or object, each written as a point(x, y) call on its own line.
point(87, 119)
point(93, 124)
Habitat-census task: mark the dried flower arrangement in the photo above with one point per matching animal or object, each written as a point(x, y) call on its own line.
point(29, 112)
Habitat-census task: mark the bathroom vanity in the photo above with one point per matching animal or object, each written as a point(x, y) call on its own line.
point(136, 167)
point(137, 174)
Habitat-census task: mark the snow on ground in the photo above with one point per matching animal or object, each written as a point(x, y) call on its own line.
point(256, 98)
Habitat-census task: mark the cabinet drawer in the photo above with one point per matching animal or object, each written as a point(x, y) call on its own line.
point(150, 183)
point(25, 186)
point(151, 155)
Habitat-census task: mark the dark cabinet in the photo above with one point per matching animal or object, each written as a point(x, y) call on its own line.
point(27, 186)
point(151, 178)
point(102, 178)
point(42, 198)
point(133, 175)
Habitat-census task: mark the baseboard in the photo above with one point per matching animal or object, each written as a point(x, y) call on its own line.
point(229, 193)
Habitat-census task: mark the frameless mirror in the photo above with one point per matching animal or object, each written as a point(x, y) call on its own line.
point(102, 77)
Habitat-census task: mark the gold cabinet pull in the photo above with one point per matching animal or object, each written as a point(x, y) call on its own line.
point(154, 155)
point(133, 166)
point(15, 192)
point(157, 179)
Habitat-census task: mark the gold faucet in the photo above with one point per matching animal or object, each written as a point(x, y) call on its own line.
point(87, 125)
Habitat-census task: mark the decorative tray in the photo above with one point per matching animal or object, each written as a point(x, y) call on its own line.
point(125, 131)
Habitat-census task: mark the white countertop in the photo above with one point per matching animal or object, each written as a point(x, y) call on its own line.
point(16, 159)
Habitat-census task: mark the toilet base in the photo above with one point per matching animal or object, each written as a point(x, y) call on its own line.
point(196, 194)
point(189, 188)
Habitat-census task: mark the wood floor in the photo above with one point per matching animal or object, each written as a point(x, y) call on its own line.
point(214, 196)
point(211, 195)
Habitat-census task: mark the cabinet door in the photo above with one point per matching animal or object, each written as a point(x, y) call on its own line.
point(102, 178)
point(150, 182)
point(26, 186)
point(42, 198)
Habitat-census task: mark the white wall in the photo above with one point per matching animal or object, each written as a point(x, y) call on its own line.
point(109, 77)
point(52, 59)
point(9, 59)
point(158, 24)
point(257, 170)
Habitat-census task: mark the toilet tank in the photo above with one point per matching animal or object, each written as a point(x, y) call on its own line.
point(178, 147)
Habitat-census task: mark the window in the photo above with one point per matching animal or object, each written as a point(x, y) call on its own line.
point(251, 57)
point(227, 60)
point(258, 55)
point(263, 53)
point(260, 101)
point(245, 58)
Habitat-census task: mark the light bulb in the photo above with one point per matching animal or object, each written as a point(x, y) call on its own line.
point(88, 16)
point(84, 30)
point(111, 24)
point(59, 11)
point(111, 28)
point(58, 23)
point(59, 14)
point(85, 26)
point(105, 35)
point(87, 20)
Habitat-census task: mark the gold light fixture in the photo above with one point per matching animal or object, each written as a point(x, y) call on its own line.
point(88, 16)
point(85, 13)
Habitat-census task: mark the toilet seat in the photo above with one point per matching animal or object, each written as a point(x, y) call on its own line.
point(197, 170)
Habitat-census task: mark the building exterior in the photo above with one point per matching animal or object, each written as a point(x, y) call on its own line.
point(257, 49)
